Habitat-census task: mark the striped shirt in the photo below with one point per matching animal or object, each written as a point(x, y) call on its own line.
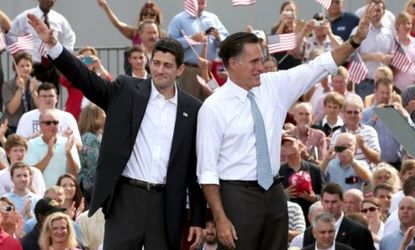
point(296, 220)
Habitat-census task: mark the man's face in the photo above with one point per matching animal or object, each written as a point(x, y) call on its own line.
point(378, 12)
point(149, 35)
point(289, 148)
point(137, 60)
point(247, 67)
point(352, 115)
point(408, 173)
point(58, 196)
point(383, 94)
point(16, 154)
point(324, 233)
point(47, 99)
point(46, 5)
point(269, 66)
point(384, 196)
point(201, 5)
point(49, 125)
point(406, 212)
point(332, 204)
point(302, 116)
point(350, 148)
point(164, 69)
point(351, 203)
point(335, 7)
point(338, 83)
point(209, 233)
point(21, 178)
point(332, 109)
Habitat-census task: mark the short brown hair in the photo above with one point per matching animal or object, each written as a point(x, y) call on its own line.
point(19, 165)
point(332, 188)
point(334, 97)
point(21, 55)
point(15, 140)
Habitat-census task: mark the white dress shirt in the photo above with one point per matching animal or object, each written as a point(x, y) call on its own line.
point(61, 27)
point(225, 130)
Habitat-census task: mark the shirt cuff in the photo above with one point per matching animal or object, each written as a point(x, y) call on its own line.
point(55, 51)
point(327, 61)
point(209, 178)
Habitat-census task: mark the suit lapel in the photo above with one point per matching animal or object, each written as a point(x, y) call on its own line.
point(140, 101)
point(182, 117)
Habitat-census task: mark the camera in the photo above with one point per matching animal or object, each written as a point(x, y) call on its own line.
point(318, 22)
point(288, 13)
point(87, 60)
point(339, 149)
point(209, 30)
point(351, 180)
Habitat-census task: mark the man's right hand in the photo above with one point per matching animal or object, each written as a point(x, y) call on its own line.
point(226, 233)
point(45, 34)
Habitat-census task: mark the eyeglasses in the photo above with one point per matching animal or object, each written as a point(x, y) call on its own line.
point(48, 123)
point(352, 112)
point(7, 209)
point(371, 209)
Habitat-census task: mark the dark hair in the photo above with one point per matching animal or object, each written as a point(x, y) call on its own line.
point(270, 59)
point(135, 48)
point(19, 165)
point(78, 192)
point(383, 81)
point(333, 188)
point(172, 46)
point(20, 56)
point(233, 45)
point(151, 6)
point(409, 185)
point(14, 140)
point(45, 86)
point(285, 4)
point(382, 186)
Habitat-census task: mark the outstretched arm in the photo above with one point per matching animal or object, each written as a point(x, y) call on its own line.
point(5, 23)
point(125, 29)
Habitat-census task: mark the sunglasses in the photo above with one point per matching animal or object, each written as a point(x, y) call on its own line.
point(371, 209)
point(48, 123)
point(7, 209)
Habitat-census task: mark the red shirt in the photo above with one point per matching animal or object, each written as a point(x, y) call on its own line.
point(8, 242)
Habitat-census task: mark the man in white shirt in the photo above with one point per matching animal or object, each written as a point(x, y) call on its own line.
point(43, 69)
point(237, 164)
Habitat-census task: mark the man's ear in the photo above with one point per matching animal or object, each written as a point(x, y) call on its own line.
point(180, 70)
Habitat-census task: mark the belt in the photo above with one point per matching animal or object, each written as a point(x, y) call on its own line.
point(192, 65)
point(142, 184)
point(254, 184)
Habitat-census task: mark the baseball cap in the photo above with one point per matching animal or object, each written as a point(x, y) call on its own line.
point(47, 206)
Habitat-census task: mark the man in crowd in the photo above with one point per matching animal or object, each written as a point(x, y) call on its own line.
point(342, 22)
point(43, 69)
point(352, 199)
point(149, 35)
point(141, 183)
point(383, 192)
point(205, 28)
point(239, 139)
point(138, 59)
point(210, 239)
point(333, 103)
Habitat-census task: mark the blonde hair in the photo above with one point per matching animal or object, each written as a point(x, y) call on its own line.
point(45, 239)
point(401, 18)
point(89, 119)
point(88, 48)
point(394, 181)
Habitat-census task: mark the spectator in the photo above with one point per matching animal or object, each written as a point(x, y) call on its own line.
point(58, 233)
point(410, 8)
point(138, 60)
point(352, 199)
point(368, 148)
point(7, 242)
point(92, 229)
point(19, 94)
point(332, 121)
point(314, 210)
point(383, 193)
point(376, 50)
point(47, 99)
point(52, 153)
point(388, 19)
point(348, 231)
point(21, 196)
point(12, 222)
point(371, 208)
point(270, 64)
point(5, 25)
point(386, 174)
point(406, 215)
point(408, 101)
point(74, 201)
point(296, 220)
point(403, 27)
point(16, 150)
point(207, 27)
point(210, 239)
point(91, 126)
point(43, 69)
point(407, 170)
point(345, 169)
point(342, 22)
point(76, 100)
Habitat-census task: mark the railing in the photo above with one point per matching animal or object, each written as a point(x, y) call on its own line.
point(112, 58)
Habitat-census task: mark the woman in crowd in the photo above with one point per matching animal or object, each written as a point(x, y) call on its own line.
point(403, 25)
point(74, 202)
point(410, 8)
point(386, 174)
point(57, 233)
point(12, 222)
point(76, 100)
point(370, 207)
point(19, 94)
point(91, 126)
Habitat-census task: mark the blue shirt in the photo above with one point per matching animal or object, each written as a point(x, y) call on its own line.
point(184, 24)
point(337, 173)
point(18, 201)
point(390, 147)
point(344, 25)
point(392, 240)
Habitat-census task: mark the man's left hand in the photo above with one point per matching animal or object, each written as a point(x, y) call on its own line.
point(195, 235)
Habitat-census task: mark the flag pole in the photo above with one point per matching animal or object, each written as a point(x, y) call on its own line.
point(193, 49)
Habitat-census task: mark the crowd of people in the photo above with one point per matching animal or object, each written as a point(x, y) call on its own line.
point(283, 150)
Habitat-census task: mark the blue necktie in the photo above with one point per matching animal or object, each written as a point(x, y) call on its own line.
point(264, 172)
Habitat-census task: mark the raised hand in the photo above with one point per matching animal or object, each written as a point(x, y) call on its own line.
point(45, 34)
point(364, 24)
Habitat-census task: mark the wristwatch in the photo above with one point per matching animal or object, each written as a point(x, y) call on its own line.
point(354, 44)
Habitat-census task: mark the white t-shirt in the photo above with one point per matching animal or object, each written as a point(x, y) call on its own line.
point(29, 124)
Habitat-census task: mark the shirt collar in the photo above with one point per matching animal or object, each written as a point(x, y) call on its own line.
point(156, 94)
point(339, 122)
point(338, 223)
point(144, 77)
point(237, 91)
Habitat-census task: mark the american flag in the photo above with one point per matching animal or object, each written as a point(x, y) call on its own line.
point(43, 51)
point(281, 42)
point(2, 41)
point(242, 2)
point(21, 43)
point(326, 3)
point(191, 7)
point(357, 69)
point(400, 60)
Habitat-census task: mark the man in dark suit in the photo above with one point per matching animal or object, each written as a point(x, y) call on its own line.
point(324, 230)
point(349, 232)
point(147, 159)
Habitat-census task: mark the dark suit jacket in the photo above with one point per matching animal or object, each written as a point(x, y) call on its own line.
point(350, 233)
point(337, 246)
point(125, 101)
